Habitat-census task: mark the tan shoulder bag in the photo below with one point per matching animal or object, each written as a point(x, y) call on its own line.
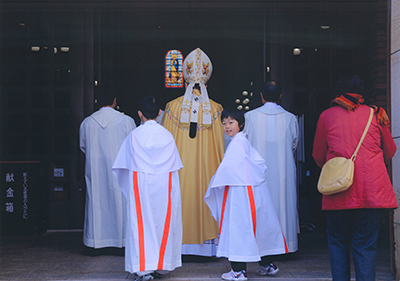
point(337, 174)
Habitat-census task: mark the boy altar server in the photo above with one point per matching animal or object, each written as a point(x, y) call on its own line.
point(147, 167)
point(239, 200)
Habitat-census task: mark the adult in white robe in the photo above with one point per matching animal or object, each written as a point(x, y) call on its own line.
point(239, 200)
point(101, 135)
point(147, 170)
point(273, 131)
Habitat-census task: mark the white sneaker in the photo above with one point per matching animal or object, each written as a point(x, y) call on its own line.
point(235, 275)
point(270, 269)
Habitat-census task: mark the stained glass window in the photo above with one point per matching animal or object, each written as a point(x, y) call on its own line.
point(173, 69)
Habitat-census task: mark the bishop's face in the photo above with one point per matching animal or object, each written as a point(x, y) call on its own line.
point(231, 126)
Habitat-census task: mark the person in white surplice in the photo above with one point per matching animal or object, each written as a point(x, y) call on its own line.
point(101, 135)
point(239, 200)
point(147, 168)
point(273, 131)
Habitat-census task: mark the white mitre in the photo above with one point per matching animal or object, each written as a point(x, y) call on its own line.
point(197, 68)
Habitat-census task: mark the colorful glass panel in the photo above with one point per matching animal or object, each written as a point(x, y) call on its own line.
point(173, 69)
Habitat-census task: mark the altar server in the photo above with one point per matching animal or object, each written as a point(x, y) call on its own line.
point(239, 200)
point(147, 168)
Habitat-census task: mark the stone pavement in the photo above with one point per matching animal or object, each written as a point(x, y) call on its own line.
point(62, 256)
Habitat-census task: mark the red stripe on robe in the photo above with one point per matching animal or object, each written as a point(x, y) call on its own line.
point(166, 226)
point(223, 208)
point(252, 207)
point(140, 222)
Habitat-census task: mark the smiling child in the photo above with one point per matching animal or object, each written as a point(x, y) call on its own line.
point(239, 200)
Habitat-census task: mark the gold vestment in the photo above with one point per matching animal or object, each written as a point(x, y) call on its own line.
point(201, 157)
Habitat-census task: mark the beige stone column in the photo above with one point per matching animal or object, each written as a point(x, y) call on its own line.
point(395, 118)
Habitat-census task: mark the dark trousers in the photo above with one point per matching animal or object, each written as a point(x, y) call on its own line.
point(356, 230)
point(239, 266)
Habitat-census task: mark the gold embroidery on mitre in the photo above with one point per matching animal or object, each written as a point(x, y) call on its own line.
point(205, 68)
point(189, 68)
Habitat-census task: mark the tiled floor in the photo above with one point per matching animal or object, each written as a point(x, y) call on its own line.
point(62, 256)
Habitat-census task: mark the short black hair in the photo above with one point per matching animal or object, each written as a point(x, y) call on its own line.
point(271, 91)
point(349, 84)
point(149, 107)
point(234, 114)
point(105, 95)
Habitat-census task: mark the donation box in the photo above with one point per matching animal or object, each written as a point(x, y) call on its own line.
point(23, 198)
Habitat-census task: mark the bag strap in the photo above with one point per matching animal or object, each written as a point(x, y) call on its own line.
point(353, 157)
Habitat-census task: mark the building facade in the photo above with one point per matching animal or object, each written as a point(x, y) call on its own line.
point(55, 54)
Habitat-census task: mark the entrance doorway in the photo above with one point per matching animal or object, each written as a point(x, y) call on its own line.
point(54, 56)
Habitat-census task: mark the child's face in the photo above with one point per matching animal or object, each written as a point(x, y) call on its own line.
point(231, 126)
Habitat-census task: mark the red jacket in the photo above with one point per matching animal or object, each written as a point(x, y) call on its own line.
point(338, 133)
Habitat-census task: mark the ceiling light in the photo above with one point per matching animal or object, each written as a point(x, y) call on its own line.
point(325, 26)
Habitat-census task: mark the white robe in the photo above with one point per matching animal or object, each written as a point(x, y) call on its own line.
point(239, 200)
point(274, 131)
point(101, 135)
point(147, 170)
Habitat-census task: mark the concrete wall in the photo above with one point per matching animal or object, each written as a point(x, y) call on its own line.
point(395, 117)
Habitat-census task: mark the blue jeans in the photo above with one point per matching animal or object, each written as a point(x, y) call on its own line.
point(357, 230)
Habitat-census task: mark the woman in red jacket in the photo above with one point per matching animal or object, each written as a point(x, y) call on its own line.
point(354, 215)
